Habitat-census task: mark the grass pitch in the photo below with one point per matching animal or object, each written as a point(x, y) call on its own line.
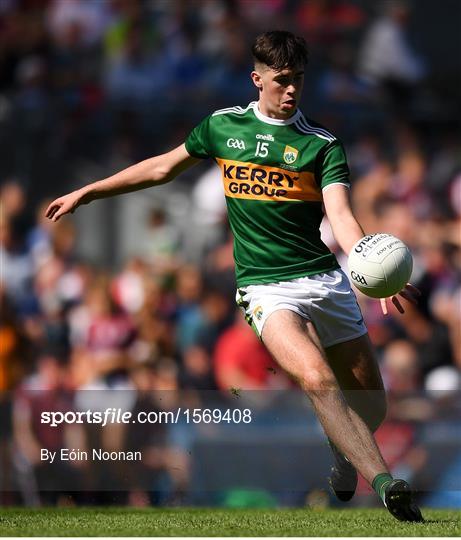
point(220, 522)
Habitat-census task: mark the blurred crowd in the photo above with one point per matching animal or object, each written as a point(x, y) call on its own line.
point(102, 82)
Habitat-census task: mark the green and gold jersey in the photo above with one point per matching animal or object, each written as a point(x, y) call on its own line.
point(274, 172)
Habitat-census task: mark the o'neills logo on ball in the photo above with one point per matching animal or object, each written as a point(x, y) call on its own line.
point(246, 180)
point(363, 243)
point(368, 243)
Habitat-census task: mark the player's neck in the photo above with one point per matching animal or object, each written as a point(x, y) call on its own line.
point(270, 112)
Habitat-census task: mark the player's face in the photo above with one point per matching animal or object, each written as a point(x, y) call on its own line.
point(279, 91)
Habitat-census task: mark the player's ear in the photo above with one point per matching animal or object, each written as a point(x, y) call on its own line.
point(257, 79)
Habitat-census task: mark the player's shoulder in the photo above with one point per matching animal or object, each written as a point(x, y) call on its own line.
point(310, 128)
point(232, 112)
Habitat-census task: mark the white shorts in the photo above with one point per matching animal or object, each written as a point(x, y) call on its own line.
point(326, 300)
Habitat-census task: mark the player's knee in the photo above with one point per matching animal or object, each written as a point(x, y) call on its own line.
point(317, 381)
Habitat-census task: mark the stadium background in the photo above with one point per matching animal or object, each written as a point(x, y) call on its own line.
point(133, 296)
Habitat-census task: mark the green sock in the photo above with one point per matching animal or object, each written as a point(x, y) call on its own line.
point(380, 483)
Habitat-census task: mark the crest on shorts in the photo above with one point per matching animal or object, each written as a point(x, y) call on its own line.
point(258, 312)
point(290, 154)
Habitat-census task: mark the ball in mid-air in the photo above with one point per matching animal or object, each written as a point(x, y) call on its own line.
point(380, 265)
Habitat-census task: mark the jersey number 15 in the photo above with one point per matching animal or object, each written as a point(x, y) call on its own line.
point(261, 149)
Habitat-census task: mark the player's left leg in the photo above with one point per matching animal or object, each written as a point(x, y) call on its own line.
point(357, 372)
point(356, 369)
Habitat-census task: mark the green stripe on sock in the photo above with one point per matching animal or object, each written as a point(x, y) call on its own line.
point(380, 483)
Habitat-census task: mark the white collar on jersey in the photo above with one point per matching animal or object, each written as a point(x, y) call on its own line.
point(275, 121)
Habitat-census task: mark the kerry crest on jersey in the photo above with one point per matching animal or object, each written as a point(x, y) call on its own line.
point(290, 155)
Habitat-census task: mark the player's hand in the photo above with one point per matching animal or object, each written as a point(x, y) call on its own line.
point(63, 205)
point(409, 292)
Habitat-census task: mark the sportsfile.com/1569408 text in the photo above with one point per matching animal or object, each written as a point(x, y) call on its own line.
point(113, 415)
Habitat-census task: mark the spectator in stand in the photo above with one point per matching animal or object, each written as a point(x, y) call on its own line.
point(342, 97)
point(15, 209)
point(208, 211)
point(15, 364)
point(156, 321)
point(132, 76)
point(217, 315)
point(91, 16)
point(241, 362)
point(106, 334)
point(325, 22)
point(387, 60)
point(446, 349)
point(401, 373)
point(101, 361)
point(160, 245)
point(127, 288)
point(220, 265)
point(188, 316)
point(261, 15)
point(15, 350)
point(48, 389)
point(408, 183)
point(17, 270)
point(34, 116)
point(39, 243)
point(443, 178)
point(166, 461)
point(229, 79)
point(197, 370)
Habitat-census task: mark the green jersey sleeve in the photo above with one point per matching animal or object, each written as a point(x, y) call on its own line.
point(332, 167)
point(198, 143)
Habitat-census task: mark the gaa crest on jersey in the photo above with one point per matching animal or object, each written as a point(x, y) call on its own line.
point(290, 154)
point(238, 144)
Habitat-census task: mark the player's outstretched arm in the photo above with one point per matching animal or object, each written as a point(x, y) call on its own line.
point(147, 173)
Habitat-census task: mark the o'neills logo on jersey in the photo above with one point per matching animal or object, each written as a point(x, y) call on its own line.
point(267, 137)
point(244, 180)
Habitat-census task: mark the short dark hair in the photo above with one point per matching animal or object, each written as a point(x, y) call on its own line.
point(279, 49)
